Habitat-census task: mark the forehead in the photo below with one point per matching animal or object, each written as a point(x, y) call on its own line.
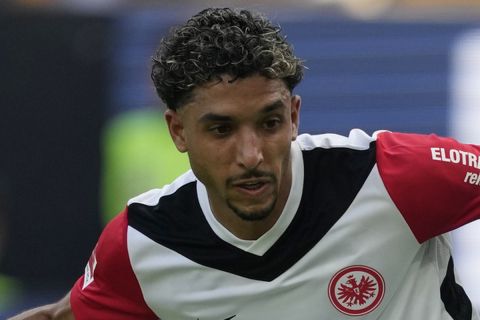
point(240, 96)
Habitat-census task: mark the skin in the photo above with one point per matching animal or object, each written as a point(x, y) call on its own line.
point(238, 136)
point(60, 310)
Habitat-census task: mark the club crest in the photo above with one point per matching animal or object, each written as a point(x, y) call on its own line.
point(356, 290)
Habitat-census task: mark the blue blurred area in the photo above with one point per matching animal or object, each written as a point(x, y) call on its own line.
point(361, 74)
point(374, 75)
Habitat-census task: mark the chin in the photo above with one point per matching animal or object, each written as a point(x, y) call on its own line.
point(252, 214)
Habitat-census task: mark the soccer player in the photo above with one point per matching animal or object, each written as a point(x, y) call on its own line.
point(270, 224)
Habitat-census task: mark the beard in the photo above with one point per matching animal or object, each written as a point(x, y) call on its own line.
point(257, 213)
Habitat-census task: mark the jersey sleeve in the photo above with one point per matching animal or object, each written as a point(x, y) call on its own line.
point(433, 181)
point(109, 288)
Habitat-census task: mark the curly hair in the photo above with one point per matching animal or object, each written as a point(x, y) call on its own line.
point(219, 41)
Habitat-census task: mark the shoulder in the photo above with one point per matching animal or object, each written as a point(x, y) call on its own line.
point(433, 156)
point(433, 180)
point(357, 139)
point(158, 213)
point(109, 287)
point(337, 154)
point(152, 197)
point(110, 251)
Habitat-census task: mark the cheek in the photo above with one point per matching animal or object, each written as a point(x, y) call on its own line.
point(279, 151)
point(209, 161)
point(281, 161)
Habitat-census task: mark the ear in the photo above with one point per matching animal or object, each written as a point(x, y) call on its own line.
point(175, 125)
point(295, 115)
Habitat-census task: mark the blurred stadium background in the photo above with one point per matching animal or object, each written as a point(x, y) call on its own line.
point(74, 82)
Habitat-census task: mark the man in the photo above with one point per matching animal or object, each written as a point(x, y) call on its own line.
point(268, 225)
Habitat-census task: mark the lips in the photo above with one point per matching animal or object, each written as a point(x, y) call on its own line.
point(252, 186)
point(250, 182)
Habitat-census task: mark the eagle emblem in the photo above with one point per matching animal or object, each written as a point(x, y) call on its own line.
point(356, 290)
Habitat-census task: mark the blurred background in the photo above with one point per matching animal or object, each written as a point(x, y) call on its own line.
point(82, 130)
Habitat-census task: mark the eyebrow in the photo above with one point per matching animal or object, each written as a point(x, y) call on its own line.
point(213, 117)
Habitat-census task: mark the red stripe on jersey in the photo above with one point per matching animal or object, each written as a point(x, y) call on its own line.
point(110, 288)
point(433, 181)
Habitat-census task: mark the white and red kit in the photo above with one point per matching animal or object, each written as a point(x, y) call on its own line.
point(363, 235)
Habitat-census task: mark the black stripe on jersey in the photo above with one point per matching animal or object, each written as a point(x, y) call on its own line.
point(456, 301)
point(332, 179)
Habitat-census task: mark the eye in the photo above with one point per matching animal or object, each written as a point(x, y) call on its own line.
point(220, 129)
point(272, 123)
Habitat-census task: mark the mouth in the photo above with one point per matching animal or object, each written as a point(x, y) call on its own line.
point(252, 186)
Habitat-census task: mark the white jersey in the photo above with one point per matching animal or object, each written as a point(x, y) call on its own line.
point(363, 235)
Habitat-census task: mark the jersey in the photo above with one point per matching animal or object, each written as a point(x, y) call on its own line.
point(363, 234)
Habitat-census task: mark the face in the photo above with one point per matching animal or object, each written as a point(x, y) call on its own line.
point(238, 137)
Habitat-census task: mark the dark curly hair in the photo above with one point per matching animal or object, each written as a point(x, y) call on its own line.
point(219, 41)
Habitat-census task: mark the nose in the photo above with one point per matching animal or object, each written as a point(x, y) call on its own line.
point(249, 149)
